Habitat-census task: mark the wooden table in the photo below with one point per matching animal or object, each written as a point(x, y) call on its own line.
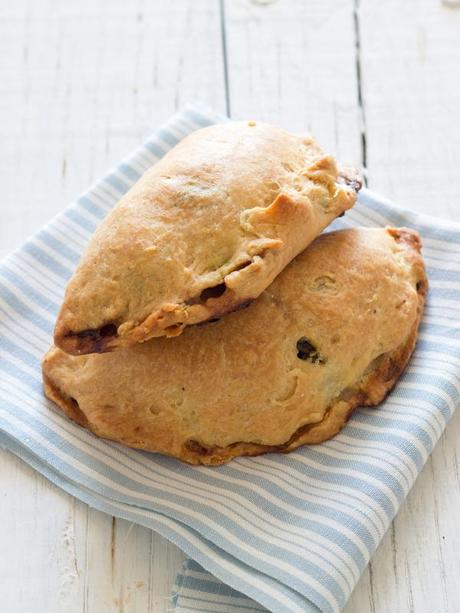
point(82, 83)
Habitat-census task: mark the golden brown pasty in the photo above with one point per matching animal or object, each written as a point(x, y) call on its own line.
point(203, 232)
point(333, 331)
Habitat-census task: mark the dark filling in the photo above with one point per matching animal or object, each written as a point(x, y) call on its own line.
point(242, 265)
point(97, 334)
point(95, 338)
point(307, 351)
point(354, 181)
point(213, 292)
point(217, 290)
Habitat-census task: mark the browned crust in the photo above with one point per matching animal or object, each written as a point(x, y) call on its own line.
point(68, 405)
point(99, 340)
point(171, 319)
point(164, 323)
point(370, 391)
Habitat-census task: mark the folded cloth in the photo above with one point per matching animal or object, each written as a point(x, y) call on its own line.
point(285, 532)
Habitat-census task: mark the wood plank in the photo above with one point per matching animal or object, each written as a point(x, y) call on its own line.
point(165, 561)
point(42, 539)
point(73, 104)
point(83, 84)
point(296, 67)
point(410, 58)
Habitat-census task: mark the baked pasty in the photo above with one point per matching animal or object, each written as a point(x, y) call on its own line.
point(333, 331)
point(203, 232)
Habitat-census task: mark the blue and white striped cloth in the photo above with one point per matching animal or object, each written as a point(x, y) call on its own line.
point(293, 532)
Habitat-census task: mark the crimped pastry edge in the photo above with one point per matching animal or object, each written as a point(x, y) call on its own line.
point(370, 391)
point(171, 318)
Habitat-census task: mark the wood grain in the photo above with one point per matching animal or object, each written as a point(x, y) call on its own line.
point(82, 84)
point(43, 535)
point(410, 54)
point(296, 66)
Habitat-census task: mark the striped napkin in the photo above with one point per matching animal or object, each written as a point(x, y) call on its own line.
point(285, 532)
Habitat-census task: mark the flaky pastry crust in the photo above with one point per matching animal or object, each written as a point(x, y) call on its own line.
point(334, 331)
point(202, 233)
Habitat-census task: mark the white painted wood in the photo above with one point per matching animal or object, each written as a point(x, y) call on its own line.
point(72, 105)
point(410, 64)
point(293, 63)
point(42, 539)
point(83, 82)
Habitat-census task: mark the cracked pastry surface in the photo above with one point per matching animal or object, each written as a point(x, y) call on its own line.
point(204, 231)
point(333, 331)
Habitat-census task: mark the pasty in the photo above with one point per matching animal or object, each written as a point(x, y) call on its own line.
point(333, 331)
point(202, 233)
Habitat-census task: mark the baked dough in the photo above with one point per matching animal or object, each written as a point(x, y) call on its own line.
point(334, 331)
point(203, 232)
